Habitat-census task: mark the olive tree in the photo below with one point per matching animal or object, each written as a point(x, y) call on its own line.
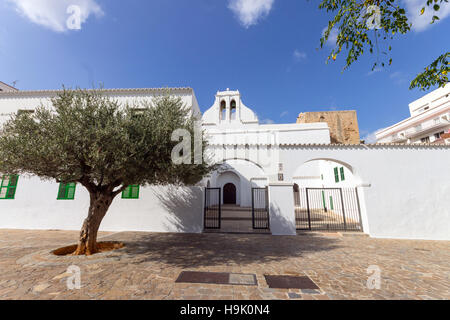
point(91, 139)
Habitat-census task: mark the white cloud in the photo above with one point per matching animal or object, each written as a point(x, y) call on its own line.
point(299, 55)
point(372, 72)
point(283, 114)
point(398, 77)
point(250, 12)
point(53, 14)
point(332, 38)
point(370, 137)
point(267, 121)
point(422, 22)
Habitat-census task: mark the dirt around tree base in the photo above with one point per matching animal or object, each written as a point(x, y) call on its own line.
point(101, 247)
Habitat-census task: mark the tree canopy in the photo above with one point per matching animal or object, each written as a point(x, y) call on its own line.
point(91, 139)
point(355, 35)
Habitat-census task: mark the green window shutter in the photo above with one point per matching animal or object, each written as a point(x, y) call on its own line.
point(8, 186)
point(131, 192)
point(342, 174)
point(66, 191)
point(323, 199)
point(70, 191)
point(336, 174)
point(62, 191)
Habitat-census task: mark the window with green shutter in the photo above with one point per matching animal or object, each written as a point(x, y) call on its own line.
point(342, 174)
point(8, 186)
point(131, 192)
point(66, 191)
point(336, 175)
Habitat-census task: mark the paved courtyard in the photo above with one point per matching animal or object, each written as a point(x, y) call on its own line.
point(151, 262)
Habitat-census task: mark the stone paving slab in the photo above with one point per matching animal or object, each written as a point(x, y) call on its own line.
point(151, 262)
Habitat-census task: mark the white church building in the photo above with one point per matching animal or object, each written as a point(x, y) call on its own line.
point(278, 179)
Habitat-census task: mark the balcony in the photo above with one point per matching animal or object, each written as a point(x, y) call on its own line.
point(427, 127)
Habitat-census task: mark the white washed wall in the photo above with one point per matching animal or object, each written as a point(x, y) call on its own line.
point(158, 209)
point(11, 102)
point(402, 195)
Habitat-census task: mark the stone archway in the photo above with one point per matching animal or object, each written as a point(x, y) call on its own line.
point(229, 193)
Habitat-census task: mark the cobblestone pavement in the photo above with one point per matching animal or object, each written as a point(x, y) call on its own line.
point(150, 263)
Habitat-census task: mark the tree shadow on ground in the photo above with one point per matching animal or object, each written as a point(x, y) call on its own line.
point(207, 250)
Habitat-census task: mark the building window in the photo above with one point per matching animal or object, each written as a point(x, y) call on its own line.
point(342, 174)
point(336, 175)
point(223, 110)
point(8, 186)
point(425, 140)
point(131, 192)
point(438, 135)
point(66, 191)
point(233, 110)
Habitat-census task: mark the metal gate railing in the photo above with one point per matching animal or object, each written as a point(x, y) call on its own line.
point(331, 209)
point(260, 208)
point(213, 210)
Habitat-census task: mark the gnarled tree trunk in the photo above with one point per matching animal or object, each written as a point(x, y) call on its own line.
point(99, 205)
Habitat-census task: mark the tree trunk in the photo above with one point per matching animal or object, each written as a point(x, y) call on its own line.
point(99, 205)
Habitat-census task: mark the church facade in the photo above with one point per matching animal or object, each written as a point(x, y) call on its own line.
point(272, 178)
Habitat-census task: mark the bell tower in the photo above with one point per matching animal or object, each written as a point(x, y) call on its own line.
point(229, 111)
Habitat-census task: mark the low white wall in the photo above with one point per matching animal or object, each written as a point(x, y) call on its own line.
point(404, 190)
point(281, 209)
point(158, 209)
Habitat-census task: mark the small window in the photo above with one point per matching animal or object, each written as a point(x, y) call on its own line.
point(342, 174)
point(8, 186)
point(66, 191)
point(438, 135)
point(336, 175)
point(425, 140)
point(131, 192)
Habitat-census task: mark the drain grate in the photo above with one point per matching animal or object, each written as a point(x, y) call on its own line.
point(217, 278)
point(290, 282)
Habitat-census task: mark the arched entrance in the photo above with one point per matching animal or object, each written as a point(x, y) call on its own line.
point(229, 193)
point(326, 196)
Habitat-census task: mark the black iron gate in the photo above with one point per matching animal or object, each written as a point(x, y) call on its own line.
point(260, 208)
point(213, 210)
point(331, 209)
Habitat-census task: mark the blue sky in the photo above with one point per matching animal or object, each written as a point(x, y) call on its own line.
point(267, 49)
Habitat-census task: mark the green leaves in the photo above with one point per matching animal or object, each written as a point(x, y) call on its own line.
point(92, 139)
point(350, 22)
point(435, 74)
point(354, 36)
